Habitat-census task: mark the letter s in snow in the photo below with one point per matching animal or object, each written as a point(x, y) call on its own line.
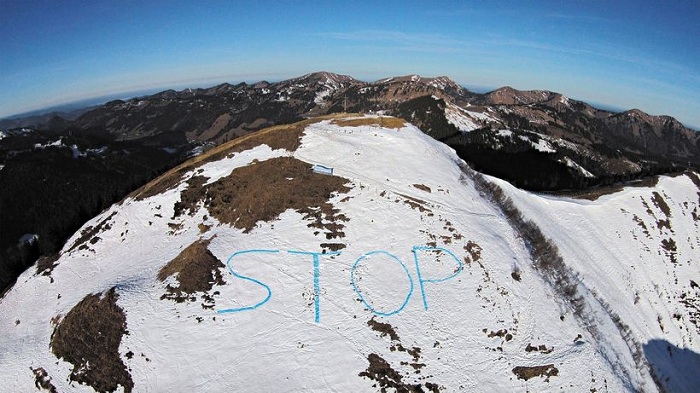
point(230, 269)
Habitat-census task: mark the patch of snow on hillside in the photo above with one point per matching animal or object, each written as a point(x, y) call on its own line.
point(480, 116)
point(76, 152)
point(541, 144)
point(321, 96)
point(57, 143)
point(459, 120)
point(638, 249)
point(440, 83)
point(2, 135)
point(565, 100)
point(572, 164)
point(216, 170)
point(566, 144)
point(506, 133)
point(463, 119)
point(28, 238)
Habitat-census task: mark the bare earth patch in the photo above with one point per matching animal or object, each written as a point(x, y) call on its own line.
point(195, 269)
point(381, 121)
point(594, 193)
point(691, 300)
point(387, 377)
point(286, 137)
point(524, 372)
point(384, 329)
point(474, 250)
point(90, 234)
point(416, 204)
point(661, 203)
point(538, 348)
point(42, 380)
point(88, 337)
point(380, 370)
point(422, 187)
point(694, 178)
point(670, 246)
point(46, 263)
point(264, 190)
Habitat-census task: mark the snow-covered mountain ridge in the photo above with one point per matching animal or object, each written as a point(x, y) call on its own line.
point(403, 270)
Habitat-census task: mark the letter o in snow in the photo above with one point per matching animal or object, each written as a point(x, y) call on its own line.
point(362, 298)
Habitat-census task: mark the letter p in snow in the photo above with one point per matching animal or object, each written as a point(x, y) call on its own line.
point(421, 280)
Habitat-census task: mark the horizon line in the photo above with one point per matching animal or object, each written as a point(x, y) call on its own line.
point(101, 99)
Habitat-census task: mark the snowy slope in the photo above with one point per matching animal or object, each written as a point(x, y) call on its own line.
point(431, 288)
point(637, 249)
point(466, 120)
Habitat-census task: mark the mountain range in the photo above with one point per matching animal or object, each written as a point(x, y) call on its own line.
point(358, 253)
point(581, 144)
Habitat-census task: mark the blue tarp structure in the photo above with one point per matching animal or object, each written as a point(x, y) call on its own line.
point(324, 170)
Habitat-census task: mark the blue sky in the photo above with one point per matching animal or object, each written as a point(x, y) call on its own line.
point(626, 54)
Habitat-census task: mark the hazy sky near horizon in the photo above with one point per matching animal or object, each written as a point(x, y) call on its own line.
point(622, 53)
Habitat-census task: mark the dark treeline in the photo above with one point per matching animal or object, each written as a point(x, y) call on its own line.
point(51, 192)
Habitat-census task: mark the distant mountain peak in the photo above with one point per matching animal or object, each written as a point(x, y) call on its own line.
point(508, 95)
point(327, 78)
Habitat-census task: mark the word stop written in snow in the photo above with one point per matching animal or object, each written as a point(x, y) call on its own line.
point(316, 259)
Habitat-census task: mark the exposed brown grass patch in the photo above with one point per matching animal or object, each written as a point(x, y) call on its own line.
point(264, 190)
point(500, 333)
point(649, 181)
point(641, 224)
point(332, 246)
point(380, 121)
point(287, 136)
point(46, 263)
point(42, 380)
point(203, 228)
point(90, 234)
point(661, 224)
point(474, 250)
point(416, 204)
point(516, 275)
point(661, 203)
point(189, 198)
point(694, 178)
point(538, 348)
point(593, 193)
point(196, 269)
point(670, 246)
point(422, 187)
point(380, 370)
point(524, 372)
point(384, 329)
point(88, 337)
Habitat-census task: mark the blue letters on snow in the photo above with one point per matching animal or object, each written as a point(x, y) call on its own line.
point(317, 285)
